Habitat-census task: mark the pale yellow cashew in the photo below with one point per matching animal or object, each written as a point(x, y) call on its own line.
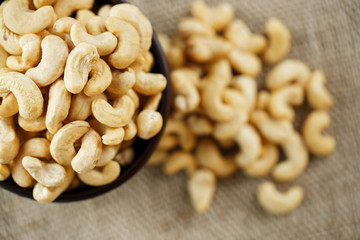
point(84, 15)
point(31, 54)
point(265, 163)
point(157, 158)
point(3, 57)
point(149, 62)
point(188, 27)
point(178, 161)
point(33, 125)
point(64, 24)
point(96, 25)
point(132, 14)
point(275, 202)
point(271, 130)
point(149, 123)
point(49, 194)
point(10, 41)
point(250, 144)
point(104, 11)
point(125, 157)
point(99, 78)
point(122, 81)
point(4, 172)
point(89, 152)
point(244, 62)
point(287, 71)
point(101, 176)
point(199, 125)
point(279, 41)
point(78, 66)
point(153, 102)
point(219, 71)
point(128, 46)
point(281, 100)
point(317, 95)
point(64, 8)
point(201, 188)
point(248, 87)
point(34, 147)
point(113, 136)
point(240, 35)
point(51, 67)
point(130, 131)
point(21, 20)
point(149, 83)
point(105, 43)
point(296, 162)
point(58, 106)
point(108, 154)
point(80, 108)
point(208, 155)
point(28, 95)
point(47, 174)
point(8, 106)
point(262, 100)
point(9, 141)
point(318, 144)
point(134, 97)
point(40, 3)
point(62, 145)
point(186, 138)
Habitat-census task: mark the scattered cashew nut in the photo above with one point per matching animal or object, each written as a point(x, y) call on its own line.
point(317, 95)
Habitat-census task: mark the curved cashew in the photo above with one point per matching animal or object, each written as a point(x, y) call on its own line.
point(100, 78)
point(8, 106)
point(186, 138)
point(130, 130)
point(35, 147)
point(47, 174)
point(62, 145)
point(84, 15)
point(78, 66)
point(9, 141)
point(219, 71)
point(273, 131)
point(209, 156)
point(265, 163)
point(134, 97)
point(108, 154)
point(101, 176)
point(3, 57)
point(131, 14)
point(199, 125)
point(149, 62)
point(58, 106)
point(33, 125)
point(128, 46)
point(296, 162)
point(240, 35)
point(250, 143)
point(21, 20)
point(122, 81)
point(96, 25)
point(286, 72)
point(201, 188)
point(188, 27)
point(113, 136)
point(167, 142)
point(49, 194)
point(40, 3)
point(280, 101)
point(279, 41)
point(64, 8)
point(245, 62)
point(64, 24)
point(51, 67)
point(153, 102)
point(317, 95)
point(104, 11)
point(10, 41)
point(179, 160)
point(262, 100)
point(80, 108)
point(248, 87)
point(28, 95)
point(276, 202)
point(4, 172)
point(125, 157)
point(149, 83)
point(318, 144)
point(105, 43)
point(149, 123)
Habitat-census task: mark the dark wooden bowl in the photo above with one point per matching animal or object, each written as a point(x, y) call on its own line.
point(143, 148)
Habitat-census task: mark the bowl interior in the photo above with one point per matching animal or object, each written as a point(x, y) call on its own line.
point(143, 148)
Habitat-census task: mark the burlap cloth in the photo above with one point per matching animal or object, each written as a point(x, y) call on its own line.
point(153, 206)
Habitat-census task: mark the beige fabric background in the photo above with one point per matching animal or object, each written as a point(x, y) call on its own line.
point(153, 206)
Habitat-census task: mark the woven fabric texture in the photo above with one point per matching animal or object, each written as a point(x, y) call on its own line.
point(325, 35)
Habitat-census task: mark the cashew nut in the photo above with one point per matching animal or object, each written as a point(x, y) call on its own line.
point(101, 176)
point(4, 172)
point(186, 138)
point(279, 41)
point(245, 62)
point(81, 107)
point(100, 78)
point(64, 8)
point(64, 24)
point(317, 95)
point(51, 67)
point(96, 25)
point(8, 106)
point(192, 26)
point(130, 130)
point(149, 123)
point(113, 136)
point(125, 157)
point(10, 41)
point(296, 162)
point(122, 81)
point(40, 3)
point(108, 154)
point(158, 157)
point(180, 160)
point(134, 97)
point(84, 15)
point(201, 188)
point(3, 57)
point(248, 86)
point(318, 144)
point(167, 142)
point(219, 71)
point(149, 83)
point(276, 202)
point(199, 125)
point(9, 141)
point(33, 125)
point(262, 100)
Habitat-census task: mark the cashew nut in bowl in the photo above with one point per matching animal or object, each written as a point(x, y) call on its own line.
point(317, 95)
point(153, 102)
point(286, 72)
point(130, 130)
point(8, 106)
point(201, 188)
point(281, 100)
point(34, 147)
point(62, 145)
point(125, 157)
point(122, 81)
point(296, 162)
point(9, 141)
point(47, 174)
point(21, 20)
point(279, 41)
point(80, 108)
point(208, 156)
point(58, 106)
point(318, 144)
point(244, 62)
point(100, 78)
point(51, 67)
point(248, 86)
point(10, 40)
point(84, 15)
point(187, 139)
point(64, 8)
point(64, 24)
point(149, 123)
point(33, 125)
point(276, 202)
point(149, 83)
point(40, 3)
point(101, 176)
point(104, 11)
point(31, 54)
point(179, 160)
point(105, 43)
point(28, 95)
point(113, 136)
point(108, 153)
point(3, 56)
point(96, 25)
point(191, 26)
point(128, 46)
point(44, 194)
point(4, 172)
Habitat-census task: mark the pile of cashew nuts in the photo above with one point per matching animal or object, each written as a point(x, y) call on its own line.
point(75, 92)
point(215, 60)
